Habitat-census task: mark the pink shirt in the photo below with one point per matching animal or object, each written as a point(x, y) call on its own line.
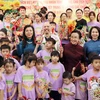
point(3, 87)
point(27, 78)
point(71, 88)
point(89, 76)
point(55, 74)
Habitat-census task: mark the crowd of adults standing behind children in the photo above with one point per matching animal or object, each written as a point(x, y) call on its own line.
point(44, 60)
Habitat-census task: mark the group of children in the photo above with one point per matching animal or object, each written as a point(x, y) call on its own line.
point(43, 76)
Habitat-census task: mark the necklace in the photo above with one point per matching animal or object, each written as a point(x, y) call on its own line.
point(29, 42)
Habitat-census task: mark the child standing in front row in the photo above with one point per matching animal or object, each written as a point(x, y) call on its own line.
point(26, 77)
point(3, 91)
point(42, 88)
point(90, 75)
point(10, 76)
point(68, 89)
point(55, 70)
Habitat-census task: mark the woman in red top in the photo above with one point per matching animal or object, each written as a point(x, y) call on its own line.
point(73, 54)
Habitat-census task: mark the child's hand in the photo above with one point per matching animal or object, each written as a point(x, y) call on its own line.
point(39, 95)
point(43, 95)
point(20, 96)
point(38, 81)
point(10, 98)
point(60, 90)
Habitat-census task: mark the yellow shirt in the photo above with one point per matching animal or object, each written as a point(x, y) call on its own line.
point(86, 18)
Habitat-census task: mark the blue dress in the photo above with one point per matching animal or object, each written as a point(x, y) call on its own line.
point(92, 46)
point(28, 48)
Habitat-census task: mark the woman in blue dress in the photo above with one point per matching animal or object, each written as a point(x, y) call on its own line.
point(94, 44)
point(28, 43)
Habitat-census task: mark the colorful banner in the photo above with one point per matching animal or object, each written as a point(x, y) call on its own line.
point(59, 6)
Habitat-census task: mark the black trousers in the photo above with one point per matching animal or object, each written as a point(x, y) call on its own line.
point(55, 95)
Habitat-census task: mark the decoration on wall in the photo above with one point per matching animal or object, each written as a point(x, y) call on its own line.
point(95, 5)
point(35, 6)
point(9, 4)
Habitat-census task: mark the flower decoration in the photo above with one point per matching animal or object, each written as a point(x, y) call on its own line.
point(8, 4)
point(8, 27)
point(1, 5)
point(95, 5)
point(71, 26)
point(98, 5)
point(93, 78)
point(35, 7)
point(53, 30)
point(15, 5)
point(63, 29)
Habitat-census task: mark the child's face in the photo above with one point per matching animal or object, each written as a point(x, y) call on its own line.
point(96, 64)
point(2, 35)
point(66, 81)
point(39, 66)
point(49, 45)
point(9, 68)
point(55, 59)
point(31, 64)
point(53, 26)
point(5, 52)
